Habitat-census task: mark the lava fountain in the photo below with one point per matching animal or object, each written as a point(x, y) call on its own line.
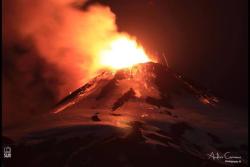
point(123, 52)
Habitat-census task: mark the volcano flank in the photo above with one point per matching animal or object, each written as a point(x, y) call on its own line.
point(150, 83)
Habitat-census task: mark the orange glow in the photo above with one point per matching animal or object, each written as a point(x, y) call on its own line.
point(81, 42)
point(123, 52)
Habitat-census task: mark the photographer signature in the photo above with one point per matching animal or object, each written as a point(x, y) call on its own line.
point(228, 157)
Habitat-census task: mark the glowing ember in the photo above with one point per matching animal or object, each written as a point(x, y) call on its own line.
point(123, 52)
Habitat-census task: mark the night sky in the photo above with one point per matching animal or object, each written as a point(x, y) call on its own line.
point(205, 40)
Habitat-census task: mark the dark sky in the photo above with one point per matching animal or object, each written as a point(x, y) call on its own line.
point(206, 40)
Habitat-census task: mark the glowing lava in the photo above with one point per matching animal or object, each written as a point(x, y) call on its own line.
point(123, 52)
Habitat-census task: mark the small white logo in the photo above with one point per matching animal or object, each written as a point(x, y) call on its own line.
point(7, 152)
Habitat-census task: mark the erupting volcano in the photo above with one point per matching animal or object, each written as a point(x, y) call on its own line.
point(114, 104)
point(135, 108)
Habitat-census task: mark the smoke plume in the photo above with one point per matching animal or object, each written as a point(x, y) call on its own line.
point(50, 48)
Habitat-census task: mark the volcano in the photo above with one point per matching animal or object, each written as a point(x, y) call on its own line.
point(146, 115)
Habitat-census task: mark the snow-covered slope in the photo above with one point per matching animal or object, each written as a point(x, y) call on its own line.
point(135, 114)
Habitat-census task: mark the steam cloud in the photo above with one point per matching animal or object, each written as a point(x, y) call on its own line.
point(49, 50)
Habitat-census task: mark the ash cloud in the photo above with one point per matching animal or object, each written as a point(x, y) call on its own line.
point(49, 50)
